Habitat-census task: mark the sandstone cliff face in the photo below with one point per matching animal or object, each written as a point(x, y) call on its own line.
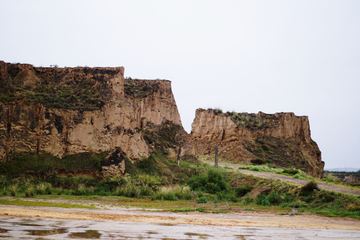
point(282, 138)
point(66, 111)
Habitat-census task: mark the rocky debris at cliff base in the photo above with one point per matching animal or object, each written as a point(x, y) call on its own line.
point(114, 164)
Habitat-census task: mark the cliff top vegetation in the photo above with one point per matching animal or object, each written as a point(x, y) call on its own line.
point(70, 88)
point(79, 88)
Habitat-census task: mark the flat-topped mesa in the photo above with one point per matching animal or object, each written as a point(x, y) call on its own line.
point(281, 139)
point(67, 111)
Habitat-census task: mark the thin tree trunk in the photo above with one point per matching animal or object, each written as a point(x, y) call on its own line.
point(179, 152)
point(216, 157)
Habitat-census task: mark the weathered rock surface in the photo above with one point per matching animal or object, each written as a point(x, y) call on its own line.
point(66, 111)
point(114, 164)
point(281, 138)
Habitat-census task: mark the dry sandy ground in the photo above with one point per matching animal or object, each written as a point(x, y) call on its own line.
point(245, 219)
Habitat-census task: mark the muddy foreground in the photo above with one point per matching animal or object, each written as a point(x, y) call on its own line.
point(242, 219)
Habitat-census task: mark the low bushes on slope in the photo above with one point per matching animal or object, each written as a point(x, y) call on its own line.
point(160, 178)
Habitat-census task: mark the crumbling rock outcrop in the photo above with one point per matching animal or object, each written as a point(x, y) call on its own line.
point(281, 139)
point(66, 111)
point(114, 163)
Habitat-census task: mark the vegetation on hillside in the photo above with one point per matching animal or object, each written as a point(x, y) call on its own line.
point(162, 137)
point(82, 93)
point(160, 178)
point(249, 120)
point(140, 89)
point(54, 90)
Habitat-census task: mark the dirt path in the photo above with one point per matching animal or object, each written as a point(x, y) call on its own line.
point(245, 219)
point(290, 179)
point(300, 182)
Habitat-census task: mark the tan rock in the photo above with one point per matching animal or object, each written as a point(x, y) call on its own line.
point(27, 126)
point(282, 138)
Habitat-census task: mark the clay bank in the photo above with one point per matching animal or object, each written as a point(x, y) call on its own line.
point(67, 111)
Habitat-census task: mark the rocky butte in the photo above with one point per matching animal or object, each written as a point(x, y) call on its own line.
point(280, 139)
point(67, 111)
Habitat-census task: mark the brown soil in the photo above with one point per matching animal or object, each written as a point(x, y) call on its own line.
point(245, 219)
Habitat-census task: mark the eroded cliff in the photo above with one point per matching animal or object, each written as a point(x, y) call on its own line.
point(69, 111)
point(65, 111)
point(281, 139)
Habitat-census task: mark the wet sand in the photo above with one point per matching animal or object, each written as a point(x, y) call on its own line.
point(44, 228)
point(243, 219)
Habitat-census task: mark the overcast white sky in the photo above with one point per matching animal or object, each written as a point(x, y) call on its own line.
point(271, 56)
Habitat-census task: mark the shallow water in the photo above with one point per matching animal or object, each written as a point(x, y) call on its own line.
point(66, 229)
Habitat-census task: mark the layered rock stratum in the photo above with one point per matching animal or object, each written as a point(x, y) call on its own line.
point(67, 111)
point(280, 139)
point(64, 111)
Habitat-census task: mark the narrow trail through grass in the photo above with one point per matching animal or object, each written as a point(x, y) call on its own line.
point(341, 189)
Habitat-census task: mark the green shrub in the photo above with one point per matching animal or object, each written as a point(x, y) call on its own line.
point(308, 199)
point(173, 193)
point(257, 161)
point(231, 196)
point(290, 171)
point(30, 191)
point(243, 190)
point(309, 188)
point(183, 192)
point(202, 200)
point(146, 191)
point(328, 179)
point(4, 191)
point(274, 198)
point(326, 197)
point(58, 191)
point(262, 200)
point(13, 189)
point(128, 190)
point(211, 182)
point(268, 161)
point(288, 198)
point(148, 180)
point(43, 188)
point(247, 199)
point(80, 190)
point(166, 193)
point(148, 165)
point(298, 176)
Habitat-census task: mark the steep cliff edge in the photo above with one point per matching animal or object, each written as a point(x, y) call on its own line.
point(281, 139)
point(70, 111)
point(65, 111)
